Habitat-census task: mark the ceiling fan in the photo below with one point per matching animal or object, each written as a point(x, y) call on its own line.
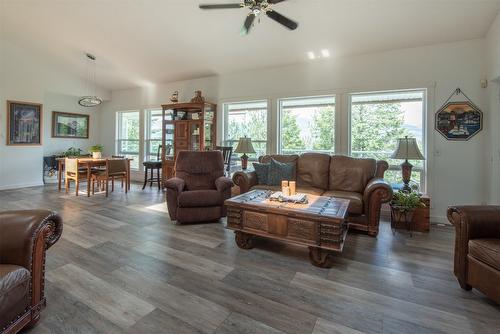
point(256, 8)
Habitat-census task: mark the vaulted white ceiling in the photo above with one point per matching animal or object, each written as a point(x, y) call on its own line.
point(139, 42)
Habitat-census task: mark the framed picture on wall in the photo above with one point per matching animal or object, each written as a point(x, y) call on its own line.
point(70, 125)
point(24, 123)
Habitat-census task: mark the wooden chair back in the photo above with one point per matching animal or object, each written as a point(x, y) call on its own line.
point(227, 152)
point(71, 166)
point(116, 166)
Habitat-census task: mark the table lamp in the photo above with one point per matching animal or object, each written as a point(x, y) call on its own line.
point(407, 149)
point(244, 146)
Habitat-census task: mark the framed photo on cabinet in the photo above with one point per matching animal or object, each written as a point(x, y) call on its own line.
point(70, 125)
point(24, 123)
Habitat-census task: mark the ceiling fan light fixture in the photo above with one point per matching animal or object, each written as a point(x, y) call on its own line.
point(325, 53)
point(311, 55)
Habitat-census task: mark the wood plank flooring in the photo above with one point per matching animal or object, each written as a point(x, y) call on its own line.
point(122, 266)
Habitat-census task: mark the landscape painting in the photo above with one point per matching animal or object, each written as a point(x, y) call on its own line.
point(459, 120)
point(24, 123)
point(70, 125)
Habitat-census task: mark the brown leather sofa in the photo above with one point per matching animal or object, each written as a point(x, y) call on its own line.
point(24, 238)
point(477, 248)
point(359, 180)
point(199, 188)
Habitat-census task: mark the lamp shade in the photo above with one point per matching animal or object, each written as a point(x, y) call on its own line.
point(407, 149)
point(244, 146)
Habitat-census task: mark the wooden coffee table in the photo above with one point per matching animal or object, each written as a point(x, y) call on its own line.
point(320, 224)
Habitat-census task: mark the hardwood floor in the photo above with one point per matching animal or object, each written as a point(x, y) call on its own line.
point(122, 266)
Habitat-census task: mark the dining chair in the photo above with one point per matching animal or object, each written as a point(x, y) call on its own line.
point(115, 169)
point(227, 152)
point(73, 172)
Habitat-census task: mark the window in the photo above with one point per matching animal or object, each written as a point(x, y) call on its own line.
point(307, 125)
point(379, 119)
point(127, 141)
point(153, 134)
point(246, 119)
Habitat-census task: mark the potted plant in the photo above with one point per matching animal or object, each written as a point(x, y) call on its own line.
point(403, 207)
point(72, 152)
point(96, 151)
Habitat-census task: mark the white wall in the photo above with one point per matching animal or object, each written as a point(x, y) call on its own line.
point(493, 60)
point(25, 76)
point(457, 169)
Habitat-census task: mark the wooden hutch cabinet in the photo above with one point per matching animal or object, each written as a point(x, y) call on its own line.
point(186, 126)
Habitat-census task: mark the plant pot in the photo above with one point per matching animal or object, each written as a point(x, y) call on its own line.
point(97, 155)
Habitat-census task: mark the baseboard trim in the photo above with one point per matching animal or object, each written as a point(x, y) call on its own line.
point(20, 185)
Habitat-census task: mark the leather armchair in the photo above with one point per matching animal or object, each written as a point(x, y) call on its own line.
point(477, 248)
point(24, 237)
point(199, 188)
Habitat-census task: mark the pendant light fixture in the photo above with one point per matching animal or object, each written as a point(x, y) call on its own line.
point(90, 100)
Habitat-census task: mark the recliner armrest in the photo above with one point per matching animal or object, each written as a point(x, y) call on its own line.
point(476, 221)
point(20, 230)
point(223, 183)
point(245, 180)
point(176, 184)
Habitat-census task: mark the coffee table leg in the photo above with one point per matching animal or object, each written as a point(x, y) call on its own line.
point(243, 240)
point(320, 257)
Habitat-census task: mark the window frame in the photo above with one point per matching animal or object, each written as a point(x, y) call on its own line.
point(119, 140)
point(336, 124)
point(225, 122)
point(424, 169)
point(147, 133)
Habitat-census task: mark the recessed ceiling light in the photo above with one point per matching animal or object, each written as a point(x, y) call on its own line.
point(325, 53)
point(311, 55)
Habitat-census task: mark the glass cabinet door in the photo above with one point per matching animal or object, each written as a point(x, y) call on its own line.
point(169, 139)
point(194, 133)
point(209, 145)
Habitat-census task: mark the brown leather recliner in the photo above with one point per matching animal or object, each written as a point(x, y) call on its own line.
point(199, 188)
point(359, 180)
point(24, 238)
point(477, 248)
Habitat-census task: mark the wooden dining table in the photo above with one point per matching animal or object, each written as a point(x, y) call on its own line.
point(88, 163)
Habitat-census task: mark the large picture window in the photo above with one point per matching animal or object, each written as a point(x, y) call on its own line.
point(307, 125)
point(153, 134)
point(378, 119)
point(127, 141)
point(246, 119)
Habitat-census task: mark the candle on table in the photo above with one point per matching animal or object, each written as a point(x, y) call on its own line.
point(284, 184)
point(286, 191)
point(292, 186)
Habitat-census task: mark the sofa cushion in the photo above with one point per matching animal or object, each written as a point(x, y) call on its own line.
point(313, 170)
point(350, 174)
point(310, 190)
point(486, 251)
point(199, 198)
point(14, 292)
point(279, 171)
point(284, 158)
point(355, 200)
point(262, 171)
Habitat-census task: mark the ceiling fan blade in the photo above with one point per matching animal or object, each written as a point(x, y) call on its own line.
point(282, 19)
point(272, 2)
point(248, 24)
point(221, 6)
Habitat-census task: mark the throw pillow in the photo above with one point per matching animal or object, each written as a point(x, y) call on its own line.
point(262, 171)
point(279, 171)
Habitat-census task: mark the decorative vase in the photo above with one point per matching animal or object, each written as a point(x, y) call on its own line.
point(96, 155)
